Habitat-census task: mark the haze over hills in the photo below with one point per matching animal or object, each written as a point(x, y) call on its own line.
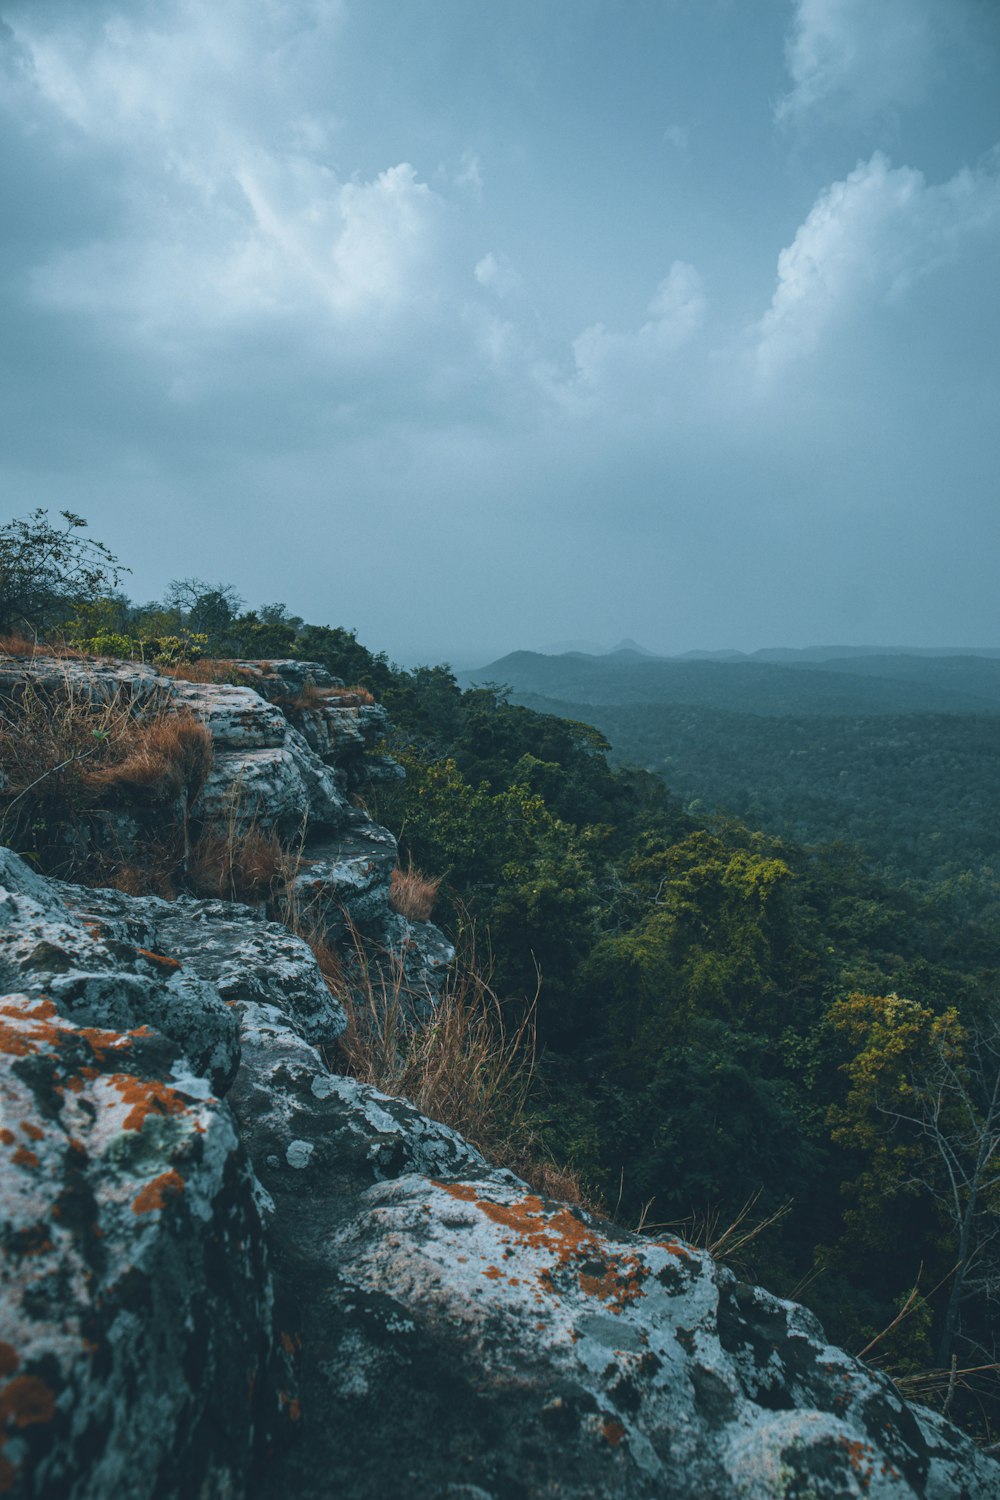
point(898, 753)
point(799, 683)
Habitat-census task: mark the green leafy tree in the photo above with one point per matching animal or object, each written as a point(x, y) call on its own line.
point(923, 1109)
point(48, 571)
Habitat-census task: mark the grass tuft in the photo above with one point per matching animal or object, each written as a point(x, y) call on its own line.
point(413, 894)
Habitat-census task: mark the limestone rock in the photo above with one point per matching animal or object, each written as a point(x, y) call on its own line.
point(98, 681)
point(108, 976)
point(237, 718)
point(346, 878)
point(167, 1255)
point(476, 1339)
point(136, 1315)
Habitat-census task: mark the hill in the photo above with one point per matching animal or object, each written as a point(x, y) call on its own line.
point(862, 685)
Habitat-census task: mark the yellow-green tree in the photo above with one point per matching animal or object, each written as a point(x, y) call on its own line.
point(923, 1108)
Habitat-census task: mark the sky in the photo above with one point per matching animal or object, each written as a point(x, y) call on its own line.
point(483, 326)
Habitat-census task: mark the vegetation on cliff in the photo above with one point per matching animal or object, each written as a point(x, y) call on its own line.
point(726, 1016)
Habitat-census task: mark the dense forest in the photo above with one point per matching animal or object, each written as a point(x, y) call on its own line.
point(768, 973)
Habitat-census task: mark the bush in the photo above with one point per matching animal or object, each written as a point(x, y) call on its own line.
point(413, 894)
point(47, 571)
point(85, 784)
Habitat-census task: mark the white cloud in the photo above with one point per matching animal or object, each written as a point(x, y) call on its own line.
point(676, 311)
point(470, 173)
point(860, 56)
point(866, 242)
point(497, 275)
point(218, 118)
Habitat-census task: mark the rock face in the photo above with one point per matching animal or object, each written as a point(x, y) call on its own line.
point(229, 1271)
point(136, 1304)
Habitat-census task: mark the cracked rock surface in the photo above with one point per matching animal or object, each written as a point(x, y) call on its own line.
point(229, 1271)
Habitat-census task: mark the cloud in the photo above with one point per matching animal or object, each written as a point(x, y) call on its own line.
point(470, 173)
point(227, 209)
point(855, 57)
point(497, 275)
point(676, 311)
point(865, 245)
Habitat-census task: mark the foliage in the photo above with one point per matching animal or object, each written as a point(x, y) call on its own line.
point(47, 571)
point(74, 765)
point(727, 1015)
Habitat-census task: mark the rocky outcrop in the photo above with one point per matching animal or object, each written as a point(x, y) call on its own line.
point(290, 745)
point(137, 1306)
point(230, 1271)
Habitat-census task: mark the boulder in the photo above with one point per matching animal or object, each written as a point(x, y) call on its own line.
point(310, 1287)
point(136, 1320)
point(468, 1338)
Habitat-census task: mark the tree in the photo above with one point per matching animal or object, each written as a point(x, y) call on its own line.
point(48, 571)
point(207, 607)
point(924, 1106)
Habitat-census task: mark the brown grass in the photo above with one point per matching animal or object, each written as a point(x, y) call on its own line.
point(20, 645)
point(467, 1065)
point(165, 757)
point(70, 766)
point(362, 696)
point(237, 864)
point(464, 1065)
point(413, 894)
point(210, 669)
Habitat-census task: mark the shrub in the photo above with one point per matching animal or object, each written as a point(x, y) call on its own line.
point(79, 776)
point(47, 571)
point(237, 863)
point(413, 894)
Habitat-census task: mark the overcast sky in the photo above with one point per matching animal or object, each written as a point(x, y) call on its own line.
point(479, 326)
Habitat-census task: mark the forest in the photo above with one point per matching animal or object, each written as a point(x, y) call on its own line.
point(765, 946)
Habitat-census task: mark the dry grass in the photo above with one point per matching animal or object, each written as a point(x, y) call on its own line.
point(237, 863)
point(726, 1241)
point(467, 1065)
point(211, 669)
point(361, 696)
point(464, 1065)
point(166, 756)
point(72, 766)
point(20, 645)
point(413, 894)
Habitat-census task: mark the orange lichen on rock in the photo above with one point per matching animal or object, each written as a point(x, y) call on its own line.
point(25, 1401)
point(7, 1137)
point(159, 958)
point(154, 1194)
point(33, 1029)
point(613, 1431)
point(674, 1247)
point(24, 1158)
point(32, 1131)
point(9, 1359)
point(146, 1097)
point(565, 1236)
point(862, 1460)
point(620, 1283)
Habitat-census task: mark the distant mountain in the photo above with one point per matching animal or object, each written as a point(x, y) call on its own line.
point(901, 684)
point(793, 654)
point(628, 647)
